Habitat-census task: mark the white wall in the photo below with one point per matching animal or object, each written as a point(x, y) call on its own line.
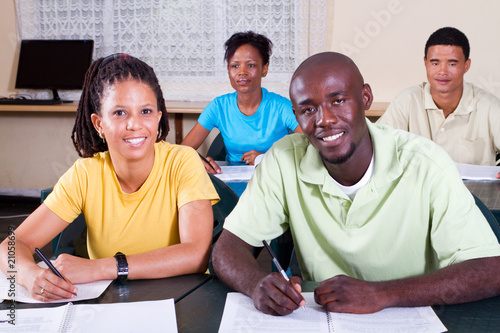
point(386, 39)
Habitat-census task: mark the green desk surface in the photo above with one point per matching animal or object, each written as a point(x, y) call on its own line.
point(200, 302)
point(488, 191)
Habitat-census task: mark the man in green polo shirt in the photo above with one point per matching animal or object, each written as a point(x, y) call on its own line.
point(380, 217)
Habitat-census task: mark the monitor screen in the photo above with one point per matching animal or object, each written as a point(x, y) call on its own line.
point(53, 64)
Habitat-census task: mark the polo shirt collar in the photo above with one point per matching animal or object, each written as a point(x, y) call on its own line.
point(387, 167)
point(311, 168)
point(465, 106)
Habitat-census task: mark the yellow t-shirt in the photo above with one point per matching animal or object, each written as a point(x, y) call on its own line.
point(131, 223)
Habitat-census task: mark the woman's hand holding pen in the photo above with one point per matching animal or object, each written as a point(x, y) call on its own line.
point(276, 296)
point(210, 165)
point(46, 286)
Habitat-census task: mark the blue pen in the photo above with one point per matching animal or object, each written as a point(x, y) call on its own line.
point(276, 263)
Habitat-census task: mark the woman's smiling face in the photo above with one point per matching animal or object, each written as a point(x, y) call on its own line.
point(129, 120)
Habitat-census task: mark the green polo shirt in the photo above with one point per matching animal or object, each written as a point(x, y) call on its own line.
point(415, 214)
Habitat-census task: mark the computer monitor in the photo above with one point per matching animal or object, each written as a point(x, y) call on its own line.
point(53, 64)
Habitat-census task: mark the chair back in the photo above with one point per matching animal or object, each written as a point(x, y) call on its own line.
point(228, 199)
point(217, 149)
point(489, 216)
point(73, 239)
point(284, 249)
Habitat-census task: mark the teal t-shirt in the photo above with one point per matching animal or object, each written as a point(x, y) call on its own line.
point(273, 120)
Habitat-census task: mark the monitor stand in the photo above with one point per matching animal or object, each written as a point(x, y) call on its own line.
point(57, 99)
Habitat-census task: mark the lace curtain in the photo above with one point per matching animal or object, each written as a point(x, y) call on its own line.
point(183, 40)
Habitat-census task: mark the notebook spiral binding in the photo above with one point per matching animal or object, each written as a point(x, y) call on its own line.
point(329, 320)
point(65, 324)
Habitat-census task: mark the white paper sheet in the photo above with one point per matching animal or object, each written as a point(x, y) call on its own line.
point(240, 315)
point(85, 291)
point(478, 172)
point(236, 173)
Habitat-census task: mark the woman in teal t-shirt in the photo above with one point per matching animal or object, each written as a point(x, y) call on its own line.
point(250, 119)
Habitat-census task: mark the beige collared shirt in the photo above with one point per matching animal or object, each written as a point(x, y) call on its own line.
point(470, 134)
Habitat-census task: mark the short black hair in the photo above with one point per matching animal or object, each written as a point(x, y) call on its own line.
point(449, 36)
point(260, 42)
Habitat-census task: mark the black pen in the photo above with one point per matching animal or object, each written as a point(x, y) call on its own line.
point(45, 260)
point(204, 159)
point(276, 263)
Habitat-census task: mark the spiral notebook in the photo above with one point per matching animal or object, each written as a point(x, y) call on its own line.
point(240, 315)
point(149, 316)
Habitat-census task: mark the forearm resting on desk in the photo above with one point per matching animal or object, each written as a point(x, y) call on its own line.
point(468, 281)
point(179, 259)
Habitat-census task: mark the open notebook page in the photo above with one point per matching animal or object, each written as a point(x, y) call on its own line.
point(240, 315)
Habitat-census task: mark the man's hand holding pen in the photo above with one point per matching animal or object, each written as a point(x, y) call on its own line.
point(276, 296)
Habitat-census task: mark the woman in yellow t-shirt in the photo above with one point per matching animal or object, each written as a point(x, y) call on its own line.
point(147, 203)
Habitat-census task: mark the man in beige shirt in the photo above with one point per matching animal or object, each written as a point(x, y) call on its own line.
point(461, 117)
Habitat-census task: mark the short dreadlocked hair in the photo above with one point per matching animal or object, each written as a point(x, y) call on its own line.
point(105, 72)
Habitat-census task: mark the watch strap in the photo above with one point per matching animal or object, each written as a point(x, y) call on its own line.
point(122, 266)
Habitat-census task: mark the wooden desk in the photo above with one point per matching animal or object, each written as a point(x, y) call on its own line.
point(64, 107)
point(178, 108)
point(172, 107)
point(376, 110)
